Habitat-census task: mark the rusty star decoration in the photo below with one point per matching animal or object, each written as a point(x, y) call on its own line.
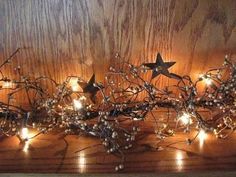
point(91, 88)
point(161, 67)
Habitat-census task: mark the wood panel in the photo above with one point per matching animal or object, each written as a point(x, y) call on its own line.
point(80, 37)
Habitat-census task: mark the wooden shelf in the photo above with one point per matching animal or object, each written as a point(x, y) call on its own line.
point(51, 153)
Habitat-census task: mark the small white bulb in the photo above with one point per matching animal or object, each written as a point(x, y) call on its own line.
point(77, 104)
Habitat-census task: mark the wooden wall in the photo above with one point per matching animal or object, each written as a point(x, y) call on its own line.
point(80, 37)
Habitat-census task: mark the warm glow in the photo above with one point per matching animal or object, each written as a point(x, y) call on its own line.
point(202, 136)
point(74, 84)
point(206, 79)
point(82, 162)
point(7, 84)
point(25, 133)
point(179, 160)
point(82, 98)
point(77, 104)
point(25, 136)
point(26, 146)
point(137, 119)
point(185, 118)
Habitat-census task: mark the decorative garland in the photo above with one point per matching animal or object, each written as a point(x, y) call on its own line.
point(112, 111)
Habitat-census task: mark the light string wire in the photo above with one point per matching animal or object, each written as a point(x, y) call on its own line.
point(123, 102)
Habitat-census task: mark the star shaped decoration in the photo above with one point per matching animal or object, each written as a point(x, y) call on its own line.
point(161, 67)
point(90, 88)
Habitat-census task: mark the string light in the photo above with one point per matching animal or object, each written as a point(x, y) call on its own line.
point(7, 85)
point(25, 136)
point(208, 81)
point(77, 104)
point(185, 118)
point(74, 84)
point(83, 98)
point(25, 133)
point(119, 107)
point(206, 78)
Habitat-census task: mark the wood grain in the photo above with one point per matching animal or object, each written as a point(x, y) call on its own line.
point(80, 37)
point(54, 154)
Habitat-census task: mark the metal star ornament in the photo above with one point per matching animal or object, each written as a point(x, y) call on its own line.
point(90, 88)
point(161, 67)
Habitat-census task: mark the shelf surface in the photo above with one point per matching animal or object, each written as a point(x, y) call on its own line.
point(54, 153)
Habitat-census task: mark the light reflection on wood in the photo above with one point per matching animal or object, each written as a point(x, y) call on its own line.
point(47, 153)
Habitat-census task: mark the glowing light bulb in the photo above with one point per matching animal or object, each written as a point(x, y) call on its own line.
point(206, 79)
point(7, 84)
point(82, 98)
point(25, 133)
point(77, 104)
point(201, 76)
point(25, 137)
point(74, 88)
point(202, 136)
point(74, 84)
point(185, 118)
